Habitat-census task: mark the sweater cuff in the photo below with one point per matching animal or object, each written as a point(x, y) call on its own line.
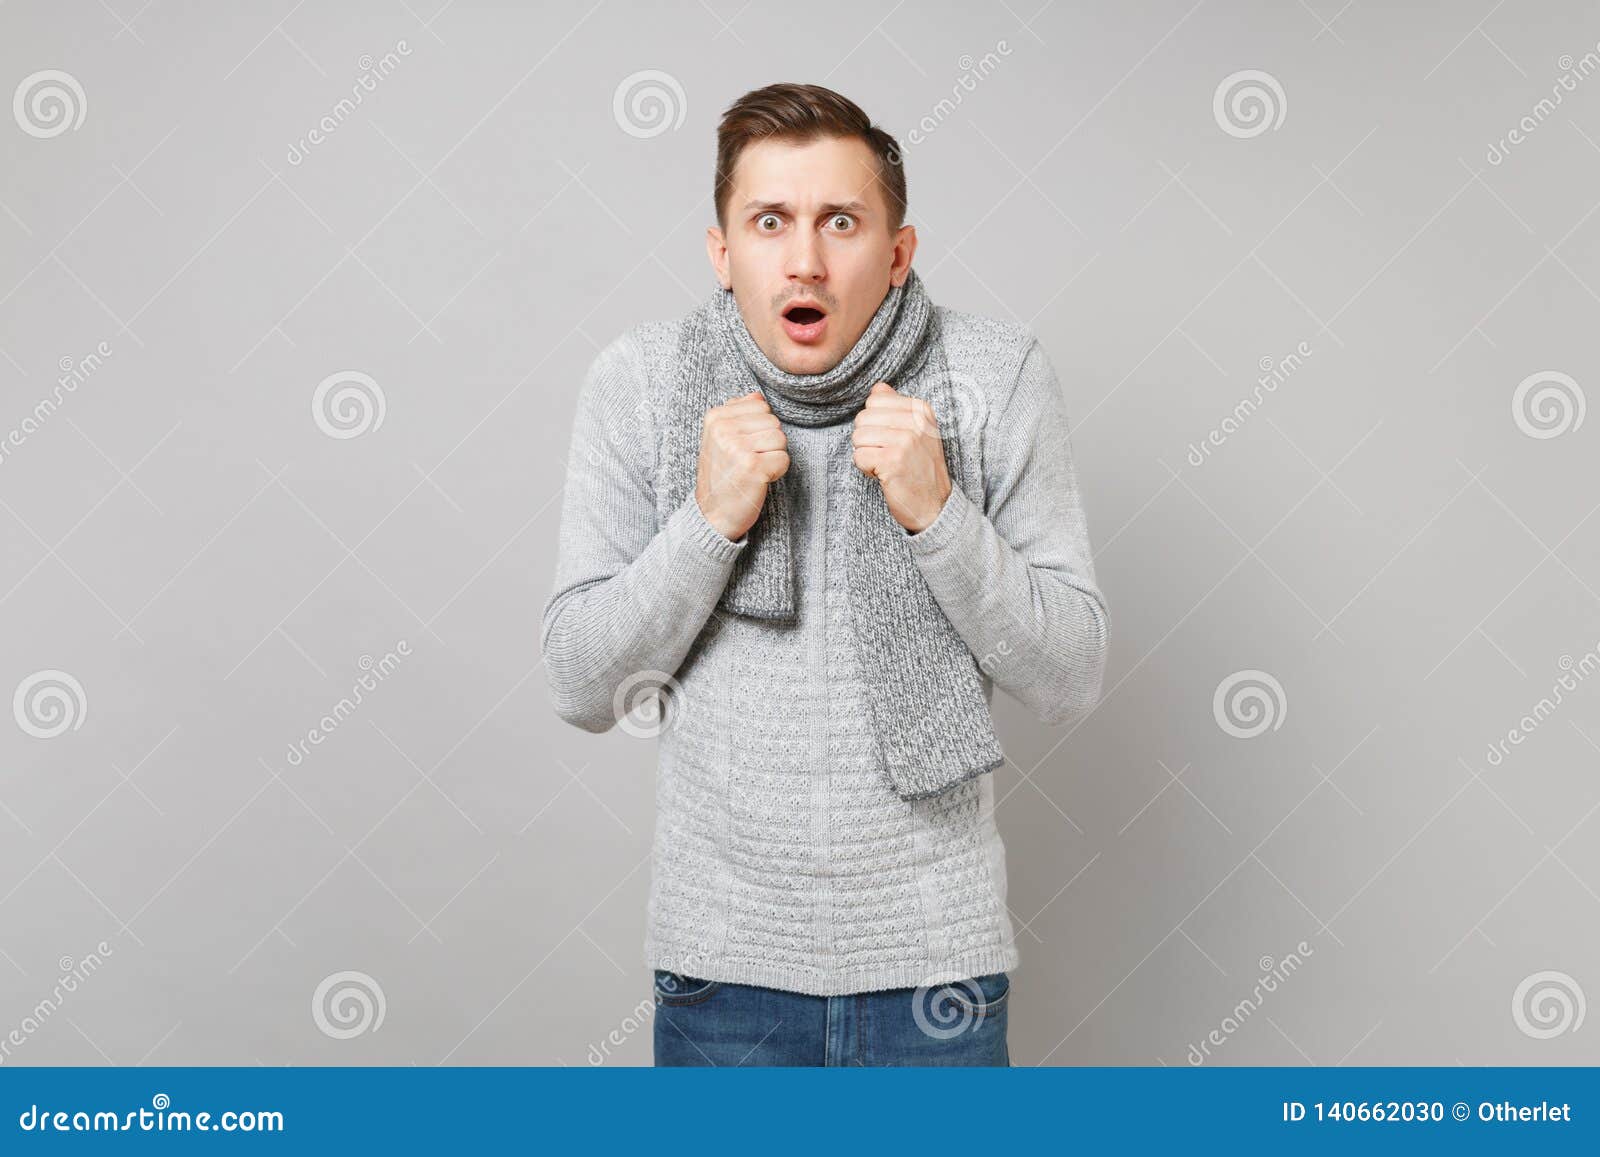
point(691, 521)
point(943, 529)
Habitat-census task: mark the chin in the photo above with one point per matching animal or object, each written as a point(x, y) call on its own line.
point(799, 359)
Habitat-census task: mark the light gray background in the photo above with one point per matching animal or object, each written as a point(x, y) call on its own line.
point(1382, 536)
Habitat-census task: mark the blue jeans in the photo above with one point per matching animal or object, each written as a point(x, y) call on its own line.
point(715, 1022)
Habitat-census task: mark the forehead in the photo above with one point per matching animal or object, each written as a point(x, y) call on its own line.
point(826, 170)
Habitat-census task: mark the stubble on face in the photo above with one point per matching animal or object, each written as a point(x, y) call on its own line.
point(788, 239)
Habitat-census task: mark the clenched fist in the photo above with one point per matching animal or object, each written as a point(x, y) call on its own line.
point(897, 441)
point(742, 449)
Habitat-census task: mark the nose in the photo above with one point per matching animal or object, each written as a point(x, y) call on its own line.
point(804, 258)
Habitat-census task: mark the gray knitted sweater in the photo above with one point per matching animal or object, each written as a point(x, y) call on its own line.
point(782, 856)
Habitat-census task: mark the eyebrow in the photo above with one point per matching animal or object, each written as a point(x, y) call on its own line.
point(829, 207)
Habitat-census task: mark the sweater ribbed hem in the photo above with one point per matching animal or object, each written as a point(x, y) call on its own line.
point(833, 982)
point(938, 533)
point(691, 520)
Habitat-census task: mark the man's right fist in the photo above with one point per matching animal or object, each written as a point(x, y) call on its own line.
point(742, 449)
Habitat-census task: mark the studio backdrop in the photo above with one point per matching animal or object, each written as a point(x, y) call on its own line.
point(295, 302)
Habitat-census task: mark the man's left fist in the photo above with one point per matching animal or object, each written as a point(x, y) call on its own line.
point(897, 441)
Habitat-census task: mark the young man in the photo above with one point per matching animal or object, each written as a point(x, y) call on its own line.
point(826, 516)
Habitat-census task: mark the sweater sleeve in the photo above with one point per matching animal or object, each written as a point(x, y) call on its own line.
point(631, 592)
point(1015, 578)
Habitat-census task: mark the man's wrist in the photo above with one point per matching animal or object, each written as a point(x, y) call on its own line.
point(704, 532)
point(945, 525)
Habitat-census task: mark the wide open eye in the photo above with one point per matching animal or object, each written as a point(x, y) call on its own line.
point(777, 222)
point(849, 222)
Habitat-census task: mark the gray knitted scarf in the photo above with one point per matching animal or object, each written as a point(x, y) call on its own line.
point(932, 723)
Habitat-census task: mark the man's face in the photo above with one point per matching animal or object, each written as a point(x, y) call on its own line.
point(808, 250)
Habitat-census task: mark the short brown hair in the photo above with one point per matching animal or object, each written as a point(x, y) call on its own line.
point(803, 112)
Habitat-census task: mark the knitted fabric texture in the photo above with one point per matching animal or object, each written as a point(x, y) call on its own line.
point(781, 854)
point(929, 713)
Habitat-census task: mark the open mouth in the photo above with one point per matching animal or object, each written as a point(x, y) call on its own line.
point(804, 324)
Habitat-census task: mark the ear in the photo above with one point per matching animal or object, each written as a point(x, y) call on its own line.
point(717, 251)
point(905, 247)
